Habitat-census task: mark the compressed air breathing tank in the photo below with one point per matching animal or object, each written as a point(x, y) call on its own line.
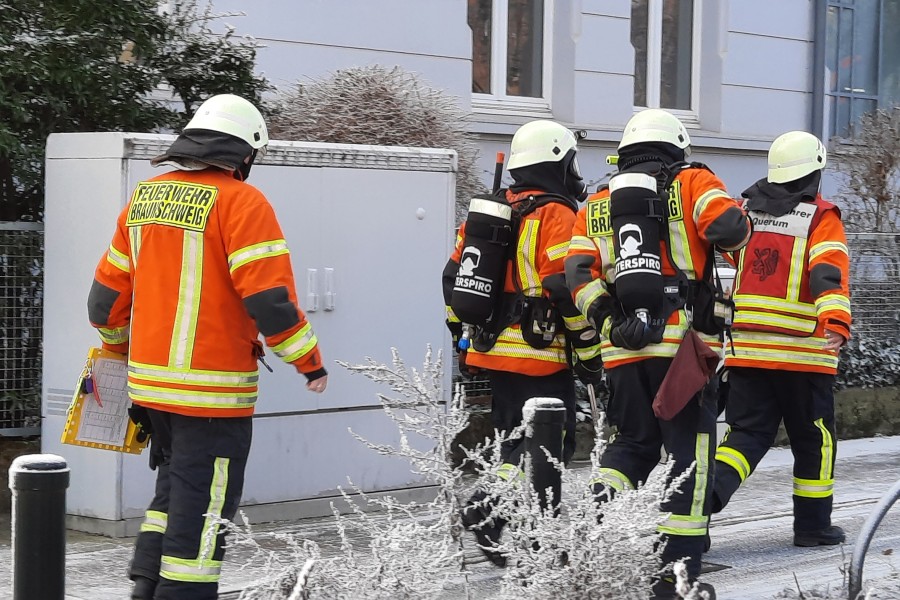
point(636, 213)
point(478, 288)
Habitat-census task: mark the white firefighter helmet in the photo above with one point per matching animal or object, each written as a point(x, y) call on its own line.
point(794, 155)
point(656, 125)
point(539, 141)
point(233, 115)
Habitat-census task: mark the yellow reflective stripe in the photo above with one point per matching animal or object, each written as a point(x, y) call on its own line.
point(147, 367)
point(118, 259)
point(554, 354)
point(296, 346)
point(193, 376)
point(248, 254)
point(704, 200)
point(115, 335)
point(190, 570)
point(826, 472)
point(617, 480)
point(509, 472)
point(734, 459)
point(681, 251)
point(586, 296)
point(577, 323)
point(451, 316)
point(833, 302)
point(217, 488)
point(813, 488)
point(135, 234)
point(798, 267)
point(701, 472)
point(747, 301)
point(558, 251)
point(782, 356)
point(684, 525)
point(181, 349)
point(195, 379)
point(193, 398)
point(155, 521)
point(527, 249)
point(755, 317)
point(580, 242)
point(790, 342)
point(589, 352)
point(823, 247)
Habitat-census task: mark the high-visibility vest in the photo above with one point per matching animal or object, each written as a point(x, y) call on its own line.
point(779, 324)
point(772, 292)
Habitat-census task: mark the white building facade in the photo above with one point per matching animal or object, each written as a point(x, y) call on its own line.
point(737, 72)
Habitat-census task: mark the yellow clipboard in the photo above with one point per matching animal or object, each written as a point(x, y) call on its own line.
point(98, 414)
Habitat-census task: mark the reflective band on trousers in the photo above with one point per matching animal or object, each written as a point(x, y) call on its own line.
point(735, 460)
point(813, 488)
point(203, 569)
point(612, 478)
point(701, 473)
point(510, 472)
point(155, 521)
point(684, 525)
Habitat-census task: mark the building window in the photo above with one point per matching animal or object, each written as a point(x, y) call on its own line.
point(862, 61)
point(509, 52)
point(666, 38)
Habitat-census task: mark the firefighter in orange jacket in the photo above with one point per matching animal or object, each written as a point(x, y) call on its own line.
point(547, 186)
point(793, 316)
point(636, 353)
point(198, 267)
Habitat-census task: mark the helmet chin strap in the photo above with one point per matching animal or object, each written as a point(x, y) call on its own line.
point(243, 172)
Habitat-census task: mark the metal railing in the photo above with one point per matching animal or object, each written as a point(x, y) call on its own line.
point(861, 547)
point(875, 286)
point(21, 326)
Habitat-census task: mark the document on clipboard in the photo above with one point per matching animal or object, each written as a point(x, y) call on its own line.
point(98, 414)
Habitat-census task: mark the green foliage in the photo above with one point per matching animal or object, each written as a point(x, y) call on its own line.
point(94, 65)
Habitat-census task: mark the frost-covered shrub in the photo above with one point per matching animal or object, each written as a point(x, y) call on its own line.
point(380, 106)
point(419, 550)
point(868, 365)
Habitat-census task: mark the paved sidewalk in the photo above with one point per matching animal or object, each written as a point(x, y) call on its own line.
point(752, 537)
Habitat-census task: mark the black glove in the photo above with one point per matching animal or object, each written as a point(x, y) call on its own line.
point(632, 334)
point(589, 372)
point(140, 417)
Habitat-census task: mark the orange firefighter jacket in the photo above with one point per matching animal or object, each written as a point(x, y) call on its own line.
point(542, 242)
point(701, 215)
point(792, 284)
point(198, 267)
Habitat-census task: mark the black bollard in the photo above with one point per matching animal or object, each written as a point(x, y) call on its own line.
point(38, 483)
point(545, 431)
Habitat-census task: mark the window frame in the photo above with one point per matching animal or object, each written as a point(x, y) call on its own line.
point(501, 103)
point(691, 116)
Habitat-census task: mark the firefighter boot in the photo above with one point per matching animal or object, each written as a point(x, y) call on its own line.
point(143, 589)
point(664, 589)
point(830, 536)
point(476, 516)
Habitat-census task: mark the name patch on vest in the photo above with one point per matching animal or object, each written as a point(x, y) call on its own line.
point(674, 203)
point(795, 223)
point(598, 221)
point(177, 203)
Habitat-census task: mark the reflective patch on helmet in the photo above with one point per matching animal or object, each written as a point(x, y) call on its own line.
point(177, 203)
